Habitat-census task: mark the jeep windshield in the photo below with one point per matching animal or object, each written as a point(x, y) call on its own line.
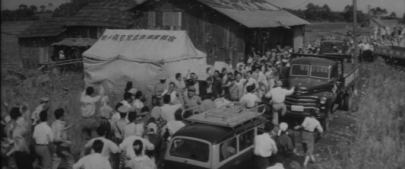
point(190, 149)
point(315, 71)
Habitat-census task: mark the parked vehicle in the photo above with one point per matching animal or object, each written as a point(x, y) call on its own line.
point(321, 81)
point(221, 138)
point(332, 46)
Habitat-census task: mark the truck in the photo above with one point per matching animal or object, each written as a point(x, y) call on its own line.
point(392, 54)
point(329, 46)
point(322, 82)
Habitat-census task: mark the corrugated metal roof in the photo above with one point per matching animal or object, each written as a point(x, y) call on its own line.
point(80, 42)
point(255, 13)
point(45, 28)
point(111, 15)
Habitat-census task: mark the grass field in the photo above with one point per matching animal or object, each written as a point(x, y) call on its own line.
point(380, 129)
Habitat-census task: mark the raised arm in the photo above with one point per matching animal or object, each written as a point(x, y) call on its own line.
point(289, 92)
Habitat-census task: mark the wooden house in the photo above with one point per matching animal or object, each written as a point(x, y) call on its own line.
point(35, 41)
point(224, 29)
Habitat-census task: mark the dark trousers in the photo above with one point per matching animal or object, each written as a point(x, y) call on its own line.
point(261, 162)
point(23, 160)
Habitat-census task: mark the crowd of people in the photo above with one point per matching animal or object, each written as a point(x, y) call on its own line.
point(134, 134)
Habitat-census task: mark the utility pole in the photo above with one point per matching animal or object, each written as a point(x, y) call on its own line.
point(355, 52)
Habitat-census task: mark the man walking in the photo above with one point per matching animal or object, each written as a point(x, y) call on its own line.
point(43, 137)
point(264, 147)
point(277, 95)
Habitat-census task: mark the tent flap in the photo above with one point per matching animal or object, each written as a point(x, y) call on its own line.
point(141, 56)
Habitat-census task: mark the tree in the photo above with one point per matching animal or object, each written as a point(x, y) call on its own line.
point(50, 6)
point(22, 7)
point(393, 15)
point(378, 11)
point(34, 8)
point(43, 8)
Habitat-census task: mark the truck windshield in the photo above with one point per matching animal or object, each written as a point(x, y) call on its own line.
point(312, 71)
point(320, 72)
point(190, 149)
point(299, 70)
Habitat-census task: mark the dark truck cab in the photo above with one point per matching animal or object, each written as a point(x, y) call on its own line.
point(321, 82)
point(330, 46)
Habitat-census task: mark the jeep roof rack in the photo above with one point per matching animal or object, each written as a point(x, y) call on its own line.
point(230, 115)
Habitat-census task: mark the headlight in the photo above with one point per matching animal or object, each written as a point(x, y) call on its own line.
point(323, 100)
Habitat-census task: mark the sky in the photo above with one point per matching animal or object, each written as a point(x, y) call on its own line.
point(398, 6)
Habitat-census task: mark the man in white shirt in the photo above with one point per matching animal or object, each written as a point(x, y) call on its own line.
point(127, 146)
point(129, 129)
point(250, 99)
point(175, 95)
point(43, 136)
point(277, 95)
point(88, 108)
point(179, 82)
point(168, 110)
point(43, 105)
point(138, 104)
point(109, 147)
point(128, 100)
point(95, 160)
point(264, 147)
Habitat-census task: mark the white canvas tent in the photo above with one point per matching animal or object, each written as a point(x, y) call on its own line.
point(141, 56)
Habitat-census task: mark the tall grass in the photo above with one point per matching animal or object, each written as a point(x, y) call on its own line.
point(380, 129)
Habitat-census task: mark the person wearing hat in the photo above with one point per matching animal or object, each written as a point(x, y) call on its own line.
point(192, 100)
point(278, 95)
point(119, 126)
point(308, 127)
point(43, 105)
point(285, 144)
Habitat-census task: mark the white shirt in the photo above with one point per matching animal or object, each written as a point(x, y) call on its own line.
point(221, 102)
point(276, 166)
point(35, 114)
point(250, 99)
point(169, 110)
point(251, 81)
point(310, 124)
point(180, 84)
point(138, 104)
point(197, 88)
point(108, 148)
point(174, 126)
point(88, 104)
point(173, 96)
point(127, 145)
point(278, 94)
point(42, 133)
point(92, 161)
point(129, 130)
point(264, 145)
point(241, 84)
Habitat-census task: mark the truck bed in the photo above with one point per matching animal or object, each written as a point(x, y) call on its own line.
point(394, 51)
point(351, 72)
